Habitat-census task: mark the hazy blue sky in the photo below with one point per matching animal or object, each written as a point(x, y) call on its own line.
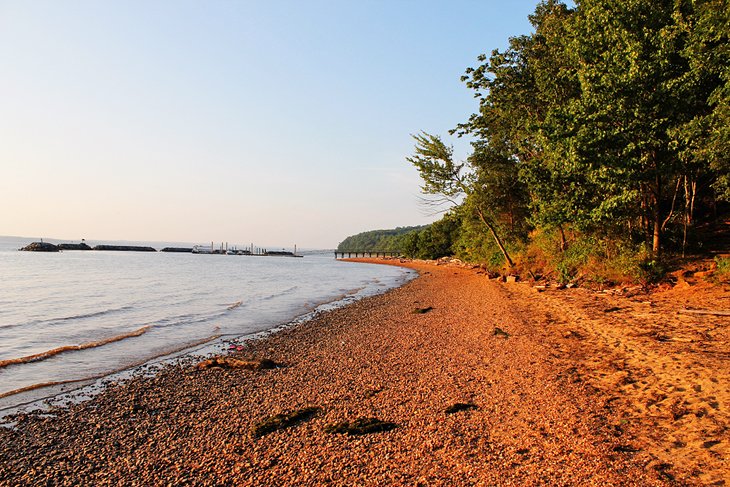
point(277, 122)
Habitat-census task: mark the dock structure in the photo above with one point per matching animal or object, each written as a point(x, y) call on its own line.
point(340, 254)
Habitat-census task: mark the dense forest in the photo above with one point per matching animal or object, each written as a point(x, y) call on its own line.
point(381, 240)
point(601, 141)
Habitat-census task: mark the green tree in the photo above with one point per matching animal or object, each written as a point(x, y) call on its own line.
point(377, 240)
point(704, 140)
point(628, 56)
point(523, 121)
point(449, 183)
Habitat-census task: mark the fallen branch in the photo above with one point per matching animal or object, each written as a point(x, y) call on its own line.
point(703, 312)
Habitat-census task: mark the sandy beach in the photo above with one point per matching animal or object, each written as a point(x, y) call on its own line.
point(476, 382)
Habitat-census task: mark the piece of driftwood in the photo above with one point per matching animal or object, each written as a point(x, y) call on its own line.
point(704, 312)
point(234, 363)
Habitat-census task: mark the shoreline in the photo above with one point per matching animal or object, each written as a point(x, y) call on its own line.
point(39, 398)
point(531, 419)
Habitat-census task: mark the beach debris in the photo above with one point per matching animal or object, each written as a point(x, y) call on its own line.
point(372, 392)
point(704, 312)
point(460, 406)
point(625, 449)
point(500, 332)
point(663, 469)
point(233, 363)
point(574, 334)
point(660, 337)
point(678, 409)
point(420, 311)
point(361, 426)
point(283, 420)
point(511, 278)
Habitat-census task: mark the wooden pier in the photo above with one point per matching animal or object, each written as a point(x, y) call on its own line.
point(365, 254)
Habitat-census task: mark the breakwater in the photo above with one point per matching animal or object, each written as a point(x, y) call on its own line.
point(49, 247)
point(198, 249)
point(125, 248)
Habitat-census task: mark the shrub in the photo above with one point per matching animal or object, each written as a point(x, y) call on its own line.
point(595, 261)
point(723, 267)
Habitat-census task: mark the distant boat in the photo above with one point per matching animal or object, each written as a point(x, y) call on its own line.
point(281, 253)
point(235, 251)
point(198, 249)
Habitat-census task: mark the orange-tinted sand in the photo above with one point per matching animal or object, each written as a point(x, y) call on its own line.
point(546, 374)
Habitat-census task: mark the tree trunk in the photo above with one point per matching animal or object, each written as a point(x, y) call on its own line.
point(657, 217)
point(687, 215)
point(674, 200)
point(496, 237)
point(644, 224)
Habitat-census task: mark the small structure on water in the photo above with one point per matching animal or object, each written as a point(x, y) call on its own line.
point(340, 254)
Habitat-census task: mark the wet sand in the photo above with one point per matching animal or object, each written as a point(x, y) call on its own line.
point(533, 416)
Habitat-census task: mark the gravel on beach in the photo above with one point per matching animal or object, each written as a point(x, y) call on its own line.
point(449, 382)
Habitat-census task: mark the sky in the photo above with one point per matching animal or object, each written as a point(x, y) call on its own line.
point(274, 122)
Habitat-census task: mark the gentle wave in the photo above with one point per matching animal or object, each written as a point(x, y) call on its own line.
point(68, 348)
point(93, 314)
point(278, 294)
point(165, 353)
point(188, 319)
point(58, 321)
point(44, 384)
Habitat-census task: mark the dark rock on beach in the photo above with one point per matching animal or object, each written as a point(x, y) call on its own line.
point(282, 420)
point(360, 426)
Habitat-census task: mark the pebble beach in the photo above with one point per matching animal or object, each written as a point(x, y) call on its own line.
point(459, 385)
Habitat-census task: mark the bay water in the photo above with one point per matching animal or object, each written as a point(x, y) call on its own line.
point(73, 316)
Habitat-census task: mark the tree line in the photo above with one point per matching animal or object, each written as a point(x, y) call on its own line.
point(377, 240)
point(603, 133)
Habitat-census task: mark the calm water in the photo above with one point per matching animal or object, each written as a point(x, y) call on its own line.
point(79, 314)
